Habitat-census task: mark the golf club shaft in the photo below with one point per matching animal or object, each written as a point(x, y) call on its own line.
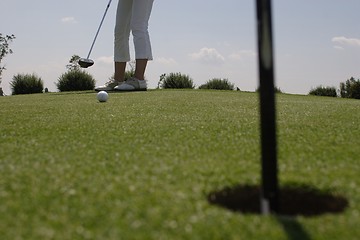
point(97, 33)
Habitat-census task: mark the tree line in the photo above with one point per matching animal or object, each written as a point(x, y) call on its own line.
point(76, 79)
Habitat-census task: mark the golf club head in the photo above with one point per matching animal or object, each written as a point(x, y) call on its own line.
point(85, 62)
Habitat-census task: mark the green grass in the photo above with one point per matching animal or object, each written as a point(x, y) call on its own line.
point(141, 165)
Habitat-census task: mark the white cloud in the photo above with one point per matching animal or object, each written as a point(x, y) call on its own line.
point(166, 61)
point(106, 59)
point(346, 41)
point(339, 47)
point(68, 20)
point(240, 55)
point(208, 55)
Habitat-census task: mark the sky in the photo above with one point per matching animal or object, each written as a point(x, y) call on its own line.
point(316, 42)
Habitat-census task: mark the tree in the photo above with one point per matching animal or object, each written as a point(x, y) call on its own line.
point(219, 84)
point(73, 63)
point(350, 89)
point(176, 80)
point(323, 91)
point(5, 49)
point(26, 84)
point(75, 79)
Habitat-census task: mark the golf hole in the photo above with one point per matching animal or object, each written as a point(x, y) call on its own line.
point(293, 200)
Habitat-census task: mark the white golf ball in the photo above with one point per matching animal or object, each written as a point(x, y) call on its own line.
point(102, 96)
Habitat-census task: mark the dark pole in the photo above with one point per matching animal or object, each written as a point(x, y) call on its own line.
point(269, 186)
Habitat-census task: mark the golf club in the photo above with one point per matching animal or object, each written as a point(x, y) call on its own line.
point(86, 62)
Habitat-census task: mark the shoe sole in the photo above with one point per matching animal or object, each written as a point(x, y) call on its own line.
point(135, 90)
point(97, 90)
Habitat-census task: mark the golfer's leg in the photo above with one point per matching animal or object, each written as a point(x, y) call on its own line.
point(140, 68)
point(121, 42)
point(141, 12)
point(119, 74)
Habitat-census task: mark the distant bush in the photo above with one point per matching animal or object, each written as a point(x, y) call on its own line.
point(350, 89)
point(130, 72)
point(26, 84)
point(176, 80)
point(127, 75)
point(75, 80)
point(323, 91)
point(276, 90)
point(218, 84)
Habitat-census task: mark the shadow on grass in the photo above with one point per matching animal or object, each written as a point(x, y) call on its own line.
point(293, 229)
point(297, 200)
point(293, 200)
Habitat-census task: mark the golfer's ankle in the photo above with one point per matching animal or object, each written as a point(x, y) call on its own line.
point(139, 77)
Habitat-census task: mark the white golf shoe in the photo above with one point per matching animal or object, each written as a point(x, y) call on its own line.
point(132, 84)
point(109, 86)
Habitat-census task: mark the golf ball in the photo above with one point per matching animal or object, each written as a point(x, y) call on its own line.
point(102, 96)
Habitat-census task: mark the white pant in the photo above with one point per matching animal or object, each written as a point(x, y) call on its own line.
point(132, 15)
